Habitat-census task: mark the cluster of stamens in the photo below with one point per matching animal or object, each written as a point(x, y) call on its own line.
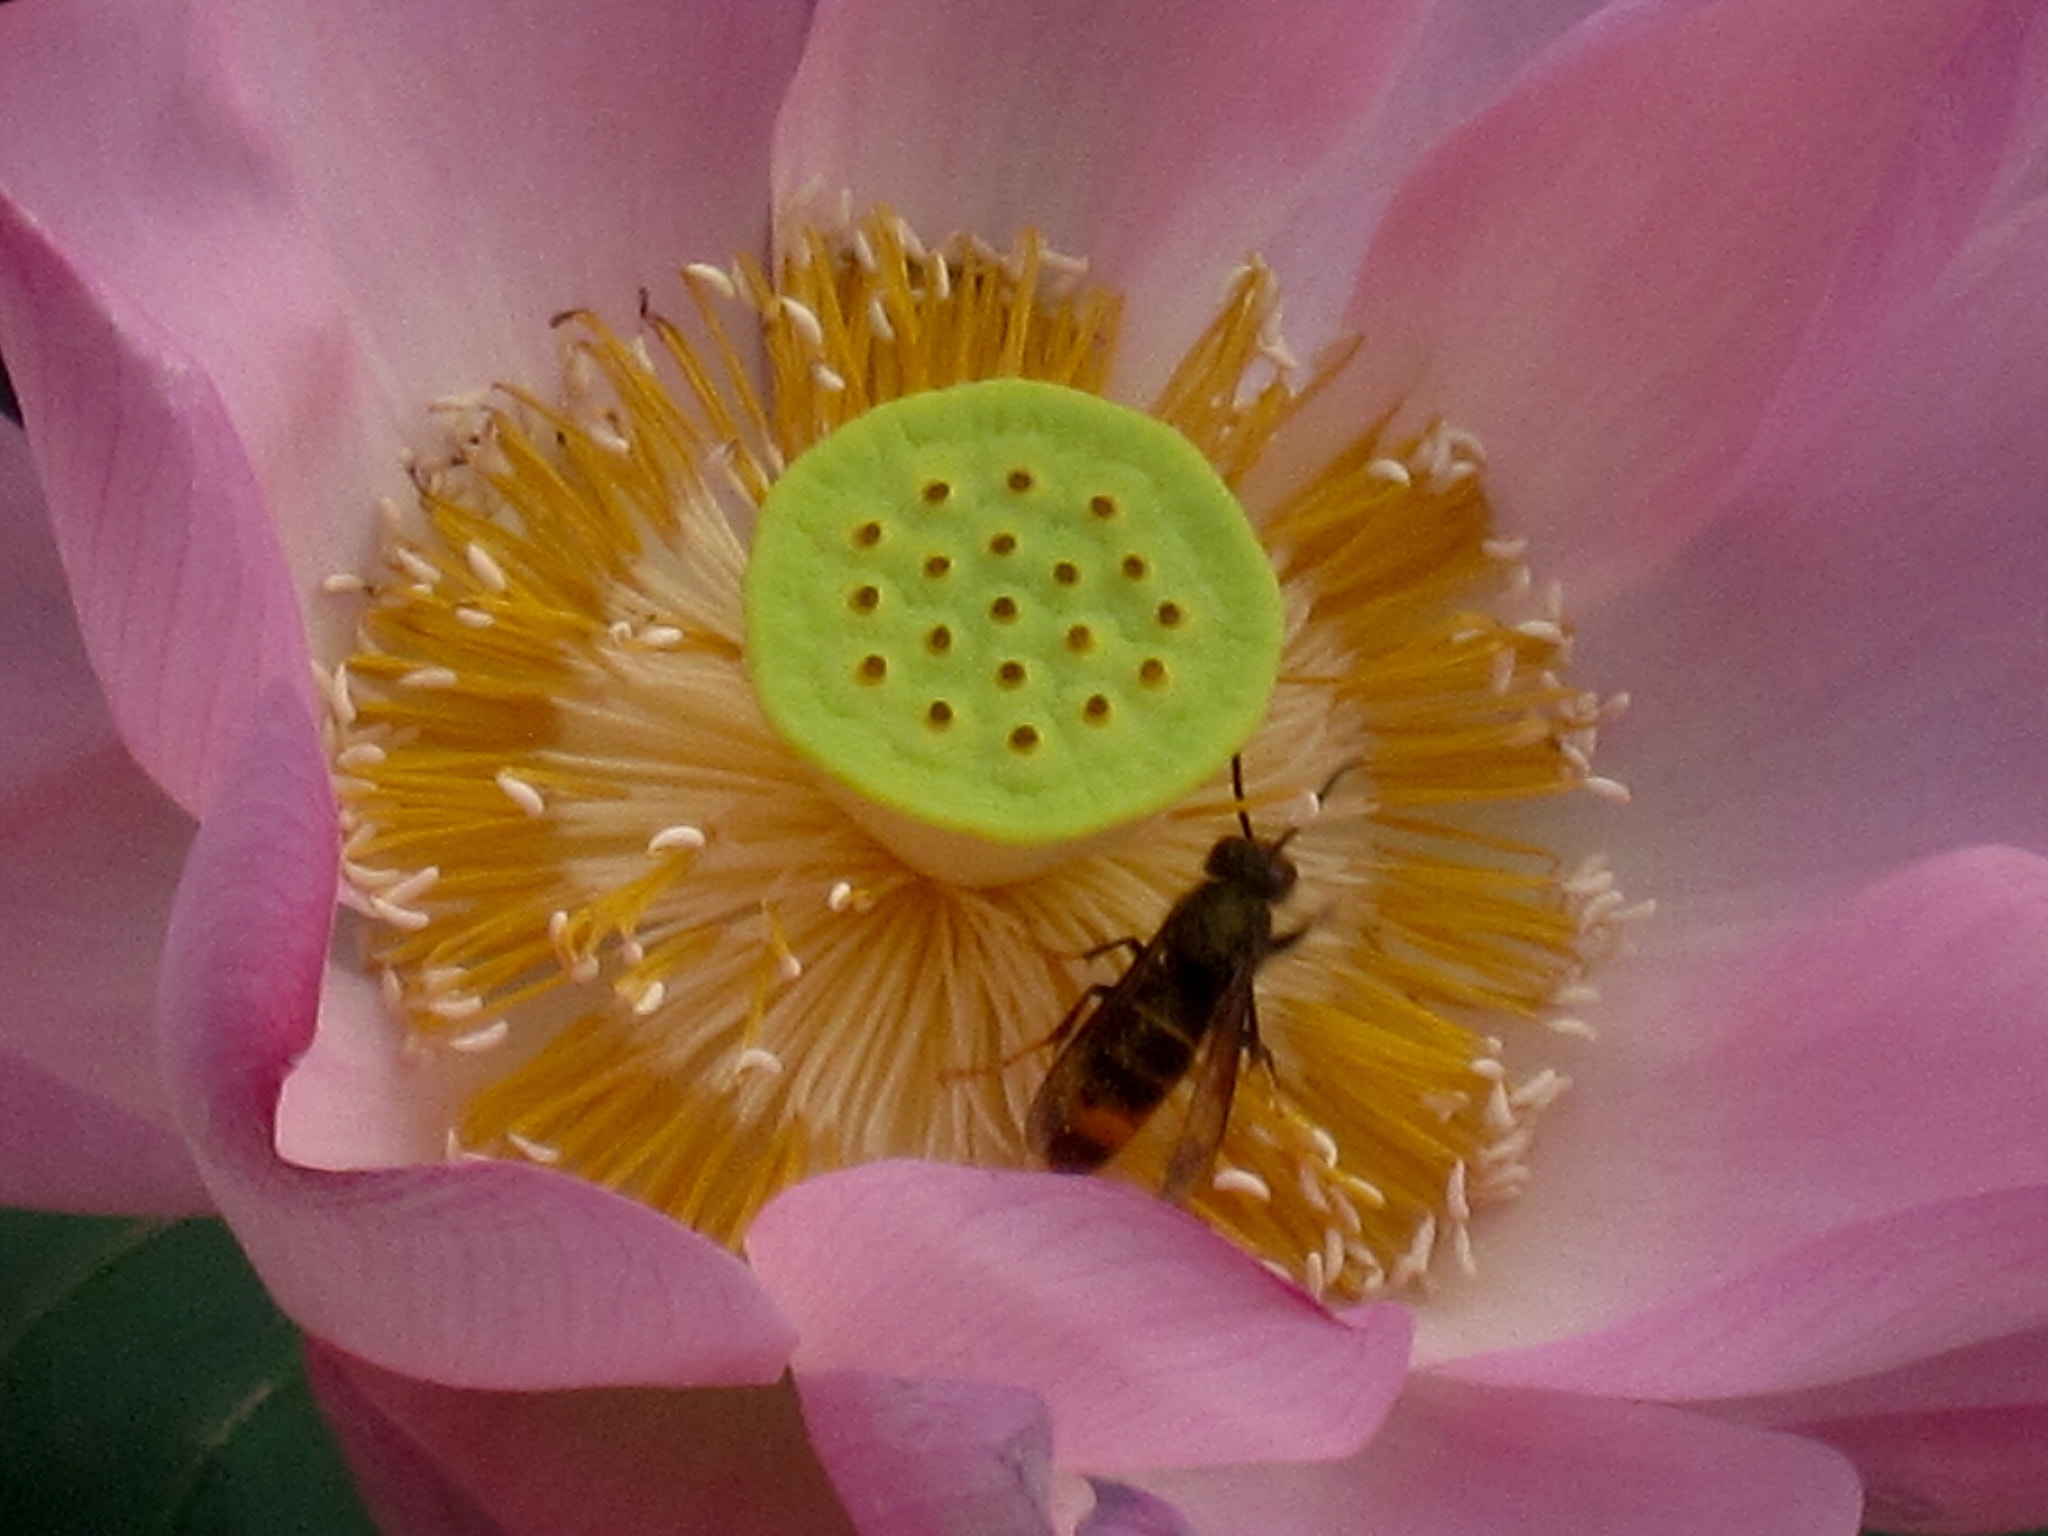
point(583, 853)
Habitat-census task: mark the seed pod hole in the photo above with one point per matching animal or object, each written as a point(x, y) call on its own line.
point(938, 640)
point(1066, 573)
point(938, 714)
point(864, 599)
point(1080, 639)
point(1024, 739)
point(873, 668)
point(867, 535)
point(1010, 674)
point(1096, 710)
point(1003, 609)
point(936, 566)
point(1134, 567)
point(1152, 672)
point(1020, 480)
point(1003, 544)
point(935, 491)
point(1170, 615)
point(1102, 506)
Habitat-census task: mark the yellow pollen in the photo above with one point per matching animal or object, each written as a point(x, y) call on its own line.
point(597, 882)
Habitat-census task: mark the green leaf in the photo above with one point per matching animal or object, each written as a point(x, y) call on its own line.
point(147, 1385)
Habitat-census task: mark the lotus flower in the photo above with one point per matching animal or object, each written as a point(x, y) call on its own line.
point(1724, 317)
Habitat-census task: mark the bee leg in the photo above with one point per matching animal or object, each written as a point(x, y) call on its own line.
point(1060, 1033)
point(1135, 946)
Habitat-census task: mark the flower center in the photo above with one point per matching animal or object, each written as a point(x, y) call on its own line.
point(692, 866)
point(1052, 619)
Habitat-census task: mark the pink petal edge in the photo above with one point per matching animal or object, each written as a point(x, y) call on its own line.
point(1151, 1340)
point(1460, 1460)
point(485, 1275)
point(932, 1458)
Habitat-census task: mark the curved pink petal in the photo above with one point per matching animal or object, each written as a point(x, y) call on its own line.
point(1457, 1460)
point(341, 215)
point(483, 1275)
point(92, 854)
point(1595, 277)
point(63, 1149)
point(90, 847)
point(932, 1458)
point(1940, 193)
point(438, 1461)
point(1161, 139)
point(50, 706)
point(1152, 1341)
point(1879, 697)
point(1805, 1169)
point(183, 600)
point(2007, 1371)
point(1965, 1471)
point(1862, 1298)
point(1948, 1443)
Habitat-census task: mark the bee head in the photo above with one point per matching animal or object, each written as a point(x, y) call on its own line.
point(1263, 869)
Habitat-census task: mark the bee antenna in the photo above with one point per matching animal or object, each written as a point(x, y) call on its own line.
point(1237, 788)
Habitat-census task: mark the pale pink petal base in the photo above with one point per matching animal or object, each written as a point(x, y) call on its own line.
point(1163, 140)
point(62, 1149)
point(486, 1274)
point(932, 1458)
point(1801, 1167)
point(1457, 1460)
point(1151, 1340)
point(437, 1461)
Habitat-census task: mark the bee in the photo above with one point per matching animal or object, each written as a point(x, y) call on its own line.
point(1187, 992)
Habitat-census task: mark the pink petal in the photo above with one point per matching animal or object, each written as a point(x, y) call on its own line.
point(1818, 1162)
point(1164, 140)
point(1152, 1341)
point(405, 1490)
point(1939, 194)
point(1950, 1443)
point(485, 1275)
point(1879, 697)
point(50, 709)
point(341, 215)
point(63, 1149)
point(1595, 278)
point(2010, 1371)
point(1457, 1460)
point(183, 600)
point(91, 847)
point(1964, 1472)
point(932, 1458)
point(620, 1462)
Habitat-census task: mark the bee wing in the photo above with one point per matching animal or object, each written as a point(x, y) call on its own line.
point(1233, 1030)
